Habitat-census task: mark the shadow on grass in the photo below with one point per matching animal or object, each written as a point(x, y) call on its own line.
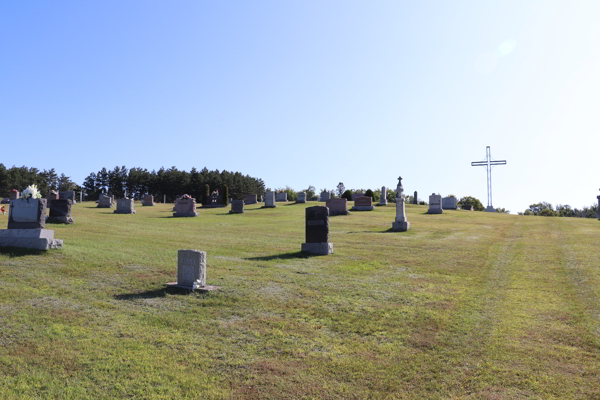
point(293, 204)
point(20, 252)
point(150, 294)
point(283, 256)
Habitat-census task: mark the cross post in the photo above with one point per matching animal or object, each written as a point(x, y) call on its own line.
point(488, 163)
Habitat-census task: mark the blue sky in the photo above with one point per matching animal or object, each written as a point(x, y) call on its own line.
point(311, 93)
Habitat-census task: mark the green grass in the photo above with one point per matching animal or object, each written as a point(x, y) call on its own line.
point(465, 305)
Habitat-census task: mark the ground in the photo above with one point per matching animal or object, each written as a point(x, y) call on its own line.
point(465, 305)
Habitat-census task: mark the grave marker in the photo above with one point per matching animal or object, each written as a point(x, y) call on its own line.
point(363, 203)
point(185, 206)
point(61, 212)
point(337, 206)
point(301, 197)
point(435, 204)
point(449, 203)
point(251, 199)
point(383, 196)
point(317, 231)
point(237, 207)
point(270, 199)
point(401, 224)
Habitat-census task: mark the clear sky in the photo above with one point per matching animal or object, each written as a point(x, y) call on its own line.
point(311, 92)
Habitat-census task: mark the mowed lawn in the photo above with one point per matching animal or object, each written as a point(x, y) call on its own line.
point(465, 305)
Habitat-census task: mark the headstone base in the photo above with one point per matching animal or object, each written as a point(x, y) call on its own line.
point(322, 249)
point(188, 214)
point(205, 288)
point(362, 208)
point(38, 239)
point(383, 203)
point(490, 209)
point(400, 226)
point(436, 211)
point(124, 212)
point(334, 213)
point(60, 220)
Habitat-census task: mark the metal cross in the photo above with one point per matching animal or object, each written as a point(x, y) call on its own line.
point(488, 163)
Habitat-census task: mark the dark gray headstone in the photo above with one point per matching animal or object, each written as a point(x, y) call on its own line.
point(237, 207)
point(415, 201)
point(27, 214)
point(61, 211)
point(317, 224)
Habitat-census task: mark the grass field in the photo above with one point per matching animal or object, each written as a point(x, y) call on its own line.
point(465, 305)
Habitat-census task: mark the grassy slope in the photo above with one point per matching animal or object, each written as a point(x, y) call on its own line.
point(465, 305)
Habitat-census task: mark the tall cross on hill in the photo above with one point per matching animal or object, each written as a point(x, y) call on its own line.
point(488, 163)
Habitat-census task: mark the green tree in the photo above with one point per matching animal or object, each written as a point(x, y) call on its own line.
point(468, 201)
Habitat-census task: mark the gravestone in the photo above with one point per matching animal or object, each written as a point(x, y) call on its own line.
point(148, 200)
point(125, 206)
point(467, 208)
point(52, 196)
point(363, 203)
point(251, 199)
point(281, 196)
point(191, 271)
point(415, 201)
point(14, 194)
point(435, 204)
point(325, 196)
point(214, 201)
point(27, 214)
point(449, 203)
point(185, 207)
point(598, 207)
point(237, 207)
point(270, 199)
point(337, 206)
point(317, 231)
point(70, 194)
point(105, 201)
point(5, 200)
point(357, 194)
point(383, 196)
point(61, 212)
point(301, 197)
point(490, 209)
point(401, 224)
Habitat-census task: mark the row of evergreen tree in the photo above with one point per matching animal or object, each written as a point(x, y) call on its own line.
point(170, 182)
point(21, 177)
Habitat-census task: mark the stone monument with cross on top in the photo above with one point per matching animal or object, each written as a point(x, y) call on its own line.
point(488, 163)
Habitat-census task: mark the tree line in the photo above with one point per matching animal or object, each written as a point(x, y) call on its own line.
point(171, 182)
point(46, 180)
point(546, 209)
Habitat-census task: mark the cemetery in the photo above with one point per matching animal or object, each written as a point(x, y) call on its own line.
point(411, 295)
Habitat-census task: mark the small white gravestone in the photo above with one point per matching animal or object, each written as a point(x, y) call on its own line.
point(435, 204)
point(191, 271)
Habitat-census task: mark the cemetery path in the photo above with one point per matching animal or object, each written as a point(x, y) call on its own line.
point(527, 323)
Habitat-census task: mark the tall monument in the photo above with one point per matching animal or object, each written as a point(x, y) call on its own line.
point(401, 224)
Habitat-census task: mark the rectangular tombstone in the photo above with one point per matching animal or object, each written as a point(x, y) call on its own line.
point(105, 201)
point(14, 195)
point(5, 200)
point(37, 239)
point(70, 194)
point(467, 208)
point(449, 203)
point(363, 203)
point(337, 206)
point(317, 231)
point(125, 206)
point(148, 200)
point(61, 212)
point(251, 199)
point(435, 204)
point(383, 196)
point(191, 268)
point(185, 207)
point(301, 197)
point(237, 207)
point(27, 214)
point(270, 199)
point(282, 196)
point(325, 196)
